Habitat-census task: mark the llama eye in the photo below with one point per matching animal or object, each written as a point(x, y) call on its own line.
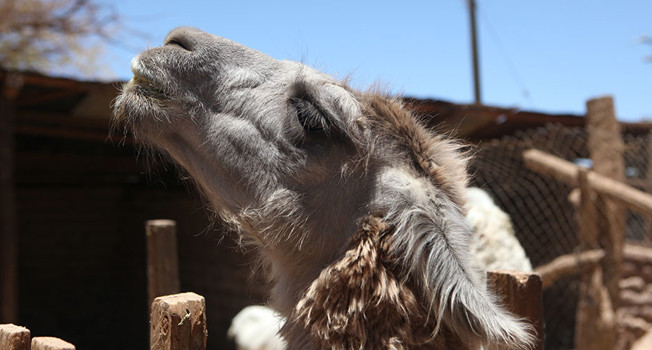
point(309, 116)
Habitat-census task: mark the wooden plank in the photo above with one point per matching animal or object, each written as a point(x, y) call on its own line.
point(50, 343)
point(11, 86)
point(162, 258)
point(521, 293)
point(14, 337)
point(178, 322)
point(566, 172)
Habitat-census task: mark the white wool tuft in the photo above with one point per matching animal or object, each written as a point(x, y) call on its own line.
point(494, 245)
point(256, 327)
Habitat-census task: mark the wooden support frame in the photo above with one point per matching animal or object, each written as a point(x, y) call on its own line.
point(567, 172)
point(602, 191)
point(595, 324)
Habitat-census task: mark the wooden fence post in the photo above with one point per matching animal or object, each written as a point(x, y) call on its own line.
point(648, 183)
point(162, 259)
point(14, 337)
point(10, 87)
point(595, 319)
point(50, 343)
point(521, 293)
point(602, 225)
point(606, 147)
point(178, 322)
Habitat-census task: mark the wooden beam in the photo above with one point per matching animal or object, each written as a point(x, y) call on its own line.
point(162, 258)
point(566, 172)
point(573, 263)
point(521, 293)
point(568, 264)
point(14, 337)
point(178, 322)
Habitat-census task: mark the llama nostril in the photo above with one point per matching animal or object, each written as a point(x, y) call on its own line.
point(178, 42)
point(184, 38)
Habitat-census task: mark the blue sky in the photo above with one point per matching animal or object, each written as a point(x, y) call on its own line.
point(548, 56)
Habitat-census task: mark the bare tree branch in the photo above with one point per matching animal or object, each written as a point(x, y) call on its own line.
point(43, 34)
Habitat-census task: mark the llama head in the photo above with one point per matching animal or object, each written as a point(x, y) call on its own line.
point(334, 187)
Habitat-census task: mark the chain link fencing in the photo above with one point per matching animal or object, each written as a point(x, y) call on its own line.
point(544, 217)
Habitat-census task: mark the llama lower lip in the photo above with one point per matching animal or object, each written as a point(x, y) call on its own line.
point(141, 82)
point(146, 87)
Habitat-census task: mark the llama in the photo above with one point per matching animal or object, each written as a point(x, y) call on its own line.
point(355, 208)
point(493, 247)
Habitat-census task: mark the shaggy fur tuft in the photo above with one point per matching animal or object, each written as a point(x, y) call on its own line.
point(439, 158)
point(358, 302)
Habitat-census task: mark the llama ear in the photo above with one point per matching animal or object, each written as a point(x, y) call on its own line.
point(357, 301)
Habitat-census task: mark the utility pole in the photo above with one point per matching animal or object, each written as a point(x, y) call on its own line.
point(474, 52)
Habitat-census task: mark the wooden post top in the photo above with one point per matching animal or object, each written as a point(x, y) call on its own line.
point(161, 223)
point(14, 337)
point(50, 343)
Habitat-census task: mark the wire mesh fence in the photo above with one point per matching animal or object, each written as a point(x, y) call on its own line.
point(545, 218)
